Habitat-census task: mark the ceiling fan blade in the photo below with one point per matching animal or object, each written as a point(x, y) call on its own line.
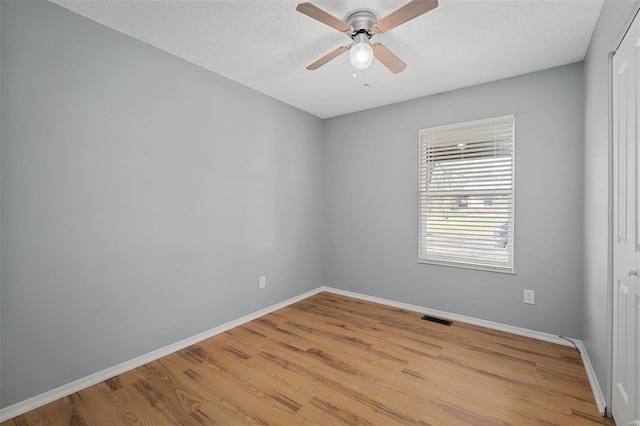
point(318, 14)
point(411, 10)
point(388, 59)
point(326, 58)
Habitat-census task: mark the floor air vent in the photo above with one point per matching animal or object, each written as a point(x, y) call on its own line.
point(437, 320)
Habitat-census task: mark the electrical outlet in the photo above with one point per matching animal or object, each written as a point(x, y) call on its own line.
point(530, 297)
point(263, 282)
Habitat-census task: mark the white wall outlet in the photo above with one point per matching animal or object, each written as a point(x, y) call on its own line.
point(530, 297)
point(263, 282)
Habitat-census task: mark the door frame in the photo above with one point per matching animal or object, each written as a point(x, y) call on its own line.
point(610, 288)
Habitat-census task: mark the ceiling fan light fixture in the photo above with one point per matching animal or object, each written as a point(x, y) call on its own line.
point(361, 53)
point(362, 24)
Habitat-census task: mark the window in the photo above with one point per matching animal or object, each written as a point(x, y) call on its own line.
point(465, 206)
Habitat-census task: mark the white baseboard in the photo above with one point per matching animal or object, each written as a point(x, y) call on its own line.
point(601, 402)
point(593, 381)
point(77, 385)
point(92, 379)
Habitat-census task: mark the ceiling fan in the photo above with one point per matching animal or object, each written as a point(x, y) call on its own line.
point(360, 26)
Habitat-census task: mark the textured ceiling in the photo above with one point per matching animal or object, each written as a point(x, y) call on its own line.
point(266, 45)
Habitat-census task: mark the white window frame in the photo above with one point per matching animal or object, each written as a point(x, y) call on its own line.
point(440, 142)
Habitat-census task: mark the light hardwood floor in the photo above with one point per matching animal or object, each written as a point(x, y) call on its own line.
point(331, 360)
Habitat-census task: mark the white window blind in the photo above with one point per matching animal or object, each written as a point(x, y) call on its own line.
point(466, 194)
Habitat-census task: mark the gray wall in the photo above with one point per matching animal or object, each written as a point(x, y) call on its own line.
point(142, 197)
point(371, 221)
point(596, 321)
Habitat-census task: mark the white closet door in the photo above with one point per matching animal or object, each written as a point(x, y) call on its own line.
point(626, 240)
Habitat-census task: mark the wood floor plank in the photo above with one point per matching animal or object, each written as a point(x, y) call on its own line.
point(140, 411)
point(246, 398)
point(321, 412)
point(242, 369)
point(60, 412)
point(334, 360)
point(169, 391)
point(282, 369)
point(100, 405)
point(364, 345)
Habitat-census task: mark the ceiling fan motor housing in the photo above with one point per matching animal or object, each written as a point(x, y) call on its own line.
point(362, 21)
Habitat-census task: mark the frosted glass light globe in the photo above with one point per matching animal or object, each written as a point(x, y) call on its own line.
point(361, 55)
